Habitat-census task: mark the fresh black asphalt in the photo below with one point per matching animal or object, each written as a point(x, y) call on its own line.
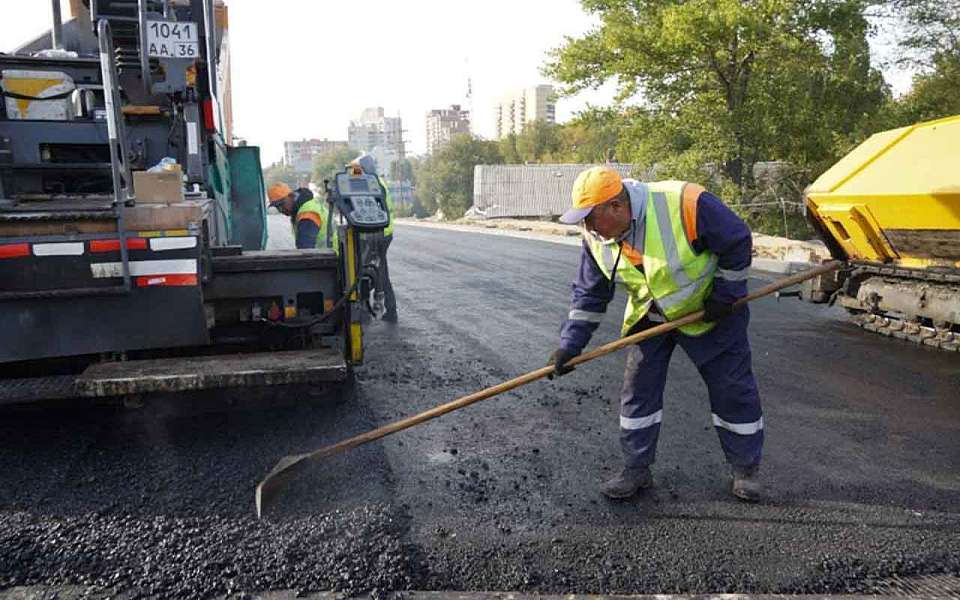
point(861, 462)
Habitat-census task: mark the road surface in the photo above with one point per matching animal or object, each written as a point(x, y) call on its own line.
point(861, 462)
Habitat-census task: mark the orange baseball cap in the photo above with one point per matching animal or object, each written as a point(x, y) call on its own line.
point(592, 187)
point(278, 192)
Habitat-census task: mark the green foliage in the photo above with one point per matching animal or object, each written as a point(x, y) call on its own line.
point(730, 82)
point(931, 31)
point(403, 170)
point(445, 179)
point(326, 165)
point(934, 95)
point(931, 42)
point(539, 141)
point(782, 221)
point(280, 173)
point(591, 137)
point(508, 149)
point(707, 89)
point(775, 207)
point(406, 210)
point(415, 209)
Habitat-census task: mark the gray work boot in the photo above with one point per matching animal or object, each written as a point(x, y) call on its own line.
point(627, 483)
point(746, 483)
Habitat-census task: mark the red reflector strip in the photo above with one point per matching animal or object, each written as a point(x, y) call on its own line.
point(14, 250)
point(167, 280)
point(114, 245)
point(207, 110)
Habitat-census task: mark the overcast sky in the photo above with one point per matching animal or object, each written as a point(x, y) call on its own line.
point(304, 68)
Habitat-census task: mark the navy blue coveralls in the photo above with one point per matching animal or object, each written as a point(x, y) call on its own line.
point(721, 355)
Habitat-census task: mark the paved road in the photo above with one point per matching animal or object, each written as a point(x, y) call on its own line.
point(861, 461)
point(862, 455)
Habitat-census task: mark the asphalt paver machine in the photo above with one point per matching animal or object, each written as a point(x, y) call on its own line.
point(891, 210)
point(132, 231)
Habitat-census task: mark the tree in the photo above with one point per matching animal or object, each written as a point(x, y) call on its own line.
point(445, 179)
point(593, 136)
point(326, 165)
point(508, 149)
point(934, 94)
point(426, 176)
point(930, 41)
point(280, 173)
point(402, 170)
point(931, 30)
point(728, 82)
point(538, 142)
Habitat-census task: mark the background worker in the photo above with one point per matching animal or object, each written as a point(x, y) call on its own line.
point(676, 249)
point(382, 243)
point(308, 216)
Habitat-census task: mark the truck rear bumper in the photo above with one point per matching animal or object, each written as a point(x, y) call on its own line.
point(211, 372)
point(321, 367)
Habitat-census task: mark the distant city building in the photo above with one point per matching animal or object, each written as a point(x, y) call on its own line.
point(516, 109)
point(444, 123)
point(300, 155)
point(378, 135)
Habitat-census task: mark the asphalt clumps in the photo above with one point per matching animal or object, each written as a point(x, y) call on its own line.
point(352, 552)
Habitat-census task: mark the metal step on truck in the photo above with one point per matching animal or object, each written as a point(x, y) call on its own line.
point(132, 232)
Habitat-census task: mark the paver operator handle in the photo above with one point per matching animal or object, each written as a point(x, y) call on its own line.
point(272, 484)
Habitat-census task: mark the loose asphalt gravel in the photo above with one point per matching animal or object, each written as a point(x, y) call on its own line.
point(861, 462)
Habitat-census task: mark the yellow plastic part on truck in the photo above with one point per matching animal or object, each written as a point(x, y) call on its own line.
point(895, 199)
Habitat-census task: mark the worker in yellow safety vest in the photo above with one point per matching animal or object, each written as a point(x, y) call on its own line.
point(675, 248)
point(309, 217)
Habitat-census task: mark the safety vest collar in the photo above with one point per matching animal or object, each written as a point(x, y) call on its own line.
point(639, 192)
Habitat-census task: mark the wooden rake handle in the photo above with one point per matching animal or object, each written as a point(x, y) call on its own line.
point(268, 488)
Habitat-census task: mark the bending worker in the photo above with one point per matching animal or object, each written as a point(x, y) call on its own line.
point(676, 249)
point(369, 166)
point(308, 216)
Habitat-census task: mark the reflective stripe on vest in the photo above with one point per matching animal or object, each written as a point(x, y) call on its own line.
point(674, 276)
point(682, 286)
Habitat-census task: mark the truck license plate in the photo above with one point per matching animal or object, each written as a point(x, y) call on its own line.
point(166, 39)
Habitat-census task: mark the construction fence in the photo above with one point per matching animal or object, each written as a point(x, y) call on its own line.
point(527, 191)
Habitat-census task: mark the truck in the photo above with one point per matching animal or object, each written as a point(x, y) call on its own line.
point(891, 210)
point(133, 230)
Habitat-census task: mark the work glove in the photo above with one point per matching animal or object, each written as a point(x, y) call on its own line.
point(714, 309)
point(558, 360)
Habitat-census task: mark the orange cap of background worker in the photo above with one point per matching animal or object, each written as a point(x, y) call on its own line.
point(593, 187)
point(277, 192)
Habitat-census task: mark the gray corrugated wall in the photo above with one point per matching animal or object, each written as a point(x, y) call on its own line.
point(527, 190)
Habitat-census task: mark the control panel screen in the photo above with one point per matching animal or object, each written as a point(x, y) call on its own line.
point(359, 185)
point(366, 210)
